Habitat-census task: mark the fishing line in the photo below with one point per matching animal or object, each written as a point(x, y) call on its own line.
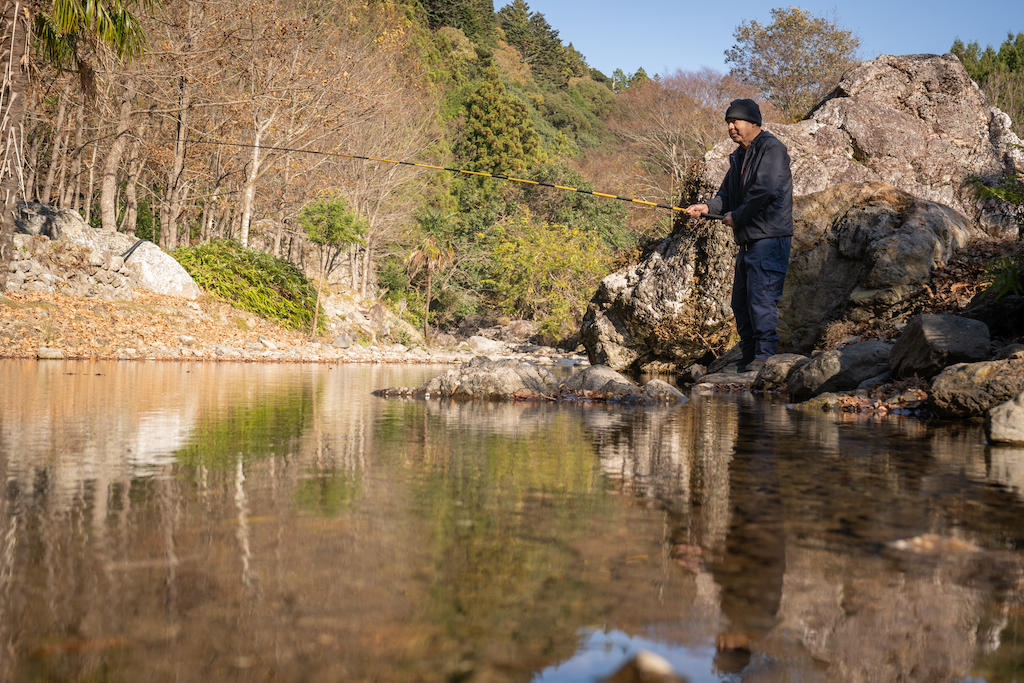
point(481, 174)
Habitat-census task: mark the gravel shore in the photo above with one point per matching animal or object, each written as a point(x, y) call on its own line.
point(160, 327)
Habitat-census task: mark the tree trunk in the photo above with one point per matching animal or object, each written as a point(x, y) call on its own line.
point(366, 271)
point(108, 183)
point(72, 197)
point(174, 177)
point(33, 162)
point(249, 191)
point(131, 201)
point(58, 152)
point(63, 174)
point(172, 197)
point(14, 65)
point(353, 266)
point(92, 182)
point(278, 234)
point(426, 308)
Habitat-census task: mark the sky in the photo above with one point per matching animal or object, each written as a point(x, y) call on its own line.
point(663, 36)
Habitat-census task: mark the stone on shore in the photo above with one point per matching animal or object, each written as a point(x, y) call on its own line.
point(660, 391)
point(46, 353)
point(969, 389)
point(931, 343)
point(484, 346)
point(1005, 422)
point(594, 378)
point(777, 370)
point(839, 369)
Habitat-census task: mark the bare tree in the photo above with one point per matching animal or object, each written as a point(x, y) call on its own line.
point(668, 125)
point(794, 61)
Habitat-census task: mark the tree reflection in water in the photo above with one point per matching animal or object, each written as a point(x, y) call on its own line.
point(230, 521)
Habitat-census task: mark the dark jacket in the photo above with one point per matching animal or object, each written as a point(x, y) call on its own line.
point(761, 201)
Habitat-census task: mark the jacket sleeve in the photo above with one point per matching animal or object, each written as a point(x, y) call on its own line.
point(721, 200)
point(769, 183)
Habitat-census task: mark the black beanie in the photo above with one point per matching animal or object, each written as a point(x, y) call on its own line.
point(744, 110)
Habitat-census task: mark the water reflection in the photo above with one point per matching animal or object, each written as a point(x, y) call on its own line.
point(231, 521)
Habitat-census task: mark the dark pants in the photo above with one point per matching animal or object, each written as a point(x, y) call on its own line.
point(756, 289)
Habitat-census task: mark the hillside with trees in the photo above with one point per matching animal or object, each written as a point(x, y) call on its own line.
point(999, 73)
point(251, 122)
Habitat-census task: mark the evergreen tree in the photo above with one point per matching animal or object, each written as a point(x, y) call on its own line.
point(981, 65)
point(639, 78)
point(539, 44)
point(475, 18)
point(498, 136)
point(1000, 74)
point(514, 20)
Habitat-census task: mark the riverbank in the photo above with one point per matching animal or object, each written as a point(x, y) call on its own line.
point(160, 327)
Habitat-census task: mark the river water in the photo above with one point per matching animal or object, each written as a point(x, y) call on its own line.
point(245, 522)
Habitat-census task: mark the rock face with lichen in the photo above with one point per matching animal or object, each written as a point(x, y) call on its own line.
point(670, 307)
point(863, 253)
point(881, 180)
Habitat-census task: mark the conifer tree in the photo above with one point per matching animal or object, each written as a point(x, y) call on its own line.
point(1000, 74)
point(475, 18)
point(498, 136)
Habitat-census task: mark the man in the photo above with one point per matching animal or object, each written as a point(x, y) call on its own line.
point(756, 198)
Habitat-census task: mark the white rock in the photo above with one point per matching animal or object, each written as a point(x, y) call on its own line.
point(1005, 422)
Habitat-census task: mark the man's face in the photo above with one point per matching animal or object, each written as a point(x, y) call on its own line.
point(742, 132)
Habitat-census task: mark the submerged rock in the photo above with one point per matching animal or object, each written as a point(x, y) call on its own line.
point(483, 378)
point(646, 667)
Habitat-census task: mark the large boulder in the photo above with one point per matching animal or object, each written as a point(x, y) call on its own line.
point(839, 369)
point(917, 122)
point(670, 307)
point(147, 267)
point(969, 389)
point(930, 343)
point(1003, 316)
point(862, 253)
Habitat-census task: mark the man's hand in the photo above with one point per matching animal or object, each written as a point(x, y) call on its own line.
point(728, 220)
point(695, 210)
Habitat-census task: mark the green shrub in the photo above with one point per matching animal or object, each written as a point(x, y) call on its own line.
point(253, 281)
point(1007, 273)
point(547, 273)
point(1007, 276)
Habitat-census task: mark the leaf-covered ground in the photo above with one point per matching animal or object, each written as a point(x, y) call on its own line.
point(96, 329)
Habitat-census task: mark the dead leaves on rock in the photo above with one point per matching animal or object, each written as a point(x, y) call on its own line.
point(956, 284)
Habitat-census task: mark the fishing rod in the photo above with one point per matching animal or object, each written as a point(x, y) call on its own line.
point(482, 174)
